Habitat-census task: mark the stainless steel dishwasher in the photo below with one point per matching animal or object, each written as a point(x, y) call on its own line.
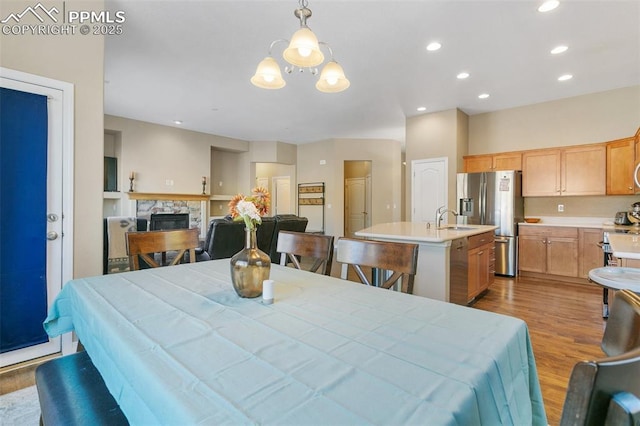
point(459, 271)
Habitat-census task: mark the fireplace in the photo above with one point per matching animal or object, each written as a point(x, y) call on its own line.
point(144, 205)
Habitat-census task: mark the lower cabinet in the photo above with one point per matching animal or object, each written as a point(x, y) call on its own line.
point(590, 250)
point(549, 250)
point(562, 251)
point(629, 263)
point(482, 263)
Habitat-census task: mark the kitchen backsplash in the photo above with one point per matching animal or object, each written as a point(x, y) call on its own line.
point(597, 206)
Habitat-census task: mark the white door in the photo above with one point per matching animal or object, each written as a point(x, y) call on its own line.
point(355, 206)
point(428, 188)
point(46, 180)
point(282, 195)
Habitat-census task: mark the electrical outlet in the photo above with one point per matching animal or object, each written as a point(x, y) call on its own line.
point(560, 208)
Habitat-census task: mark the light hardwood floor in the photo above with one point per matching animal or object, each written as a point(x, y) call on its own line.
point(564, 321)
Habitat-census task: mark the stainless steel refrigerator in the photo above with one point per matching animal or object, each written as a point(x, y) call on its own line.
point(494, 198)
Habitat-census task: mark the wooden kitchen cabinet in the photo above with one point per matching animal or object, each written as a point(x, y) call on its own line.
point(579, 170)
point(481, 263)
point(541, 173)
point(493, 162)
point(584, 170)
point(549, 250)
point(620, 164)
point(629, 263)
point(591, 255)
point(478, 163)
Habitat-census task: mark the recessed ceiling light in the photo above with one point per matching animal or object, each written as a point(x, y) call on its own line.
point(177, 121)
point(558, 49)
point(462, 75)
point(433, 46)
point(548, 5)
point(483, 96)
point(565, 77)
point(421, 109)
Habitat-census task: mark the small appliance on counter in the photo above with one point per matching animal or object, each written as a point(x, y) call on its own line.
point(634, 214)
point(621, 219)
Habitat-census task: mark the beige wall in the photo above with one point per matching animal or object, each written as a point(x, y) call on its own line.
point(435, 135)
point(584, 119)
point(601, 207)
point(75, 59)
point(598, 117)
point(271, 170)
point(159, 153)
point(273, 152)
point(385, 157)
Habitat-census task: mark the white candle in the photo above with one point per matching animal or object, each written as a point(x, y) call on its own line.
point(267, 292)
point(131, 175)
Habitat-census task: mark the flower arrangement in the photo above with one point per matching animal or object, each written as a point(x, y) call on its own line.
point(250, 209)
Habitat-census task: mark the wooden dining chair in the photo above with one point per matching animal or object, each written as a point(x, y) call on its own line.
point(622, 332)
point(604, 392)
point(607, 391)
point(292, 245)
point(399, 258)
point(146, 244)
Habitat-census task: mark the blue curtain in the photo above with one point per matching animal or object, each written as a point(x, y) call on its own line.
point(23, 225)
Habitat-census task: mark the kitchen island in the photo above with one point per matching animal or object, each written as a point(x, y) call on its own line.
point(434, 276)
point(626, 247)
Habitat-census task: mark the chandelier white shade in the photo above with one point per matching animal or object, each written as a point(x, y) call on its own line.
point(332, 79)
point(302, 52)
point(268, 75)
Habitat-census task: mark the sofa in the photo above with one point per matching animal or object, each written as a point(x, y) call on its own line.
point(226, 237)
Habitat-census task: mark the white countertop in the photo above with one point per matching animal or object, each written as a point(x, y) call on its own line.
point(626, 246)
point(418, 232)
point(606, 224)
point(618, 278)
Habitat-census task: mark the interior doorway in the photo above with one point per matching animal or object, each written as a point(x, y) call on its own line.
point(36, 152)
point(281, 199)
point(429, 185)
point(357, 196)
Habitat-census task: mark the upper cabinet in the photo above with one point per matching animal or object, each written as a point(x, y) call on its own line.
point(620, 165)
point(541, 173)
point(493, 162)
point(579, 170)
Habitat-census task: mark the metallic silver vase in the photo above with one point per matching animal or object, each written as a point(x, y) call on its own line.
point(249, 267)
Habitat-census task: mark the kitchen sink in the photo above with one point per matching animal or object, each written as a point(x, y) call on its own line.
point(457, 228)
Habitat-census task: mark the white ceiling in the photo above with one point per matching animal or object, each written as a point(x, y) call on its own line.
point(192, 61)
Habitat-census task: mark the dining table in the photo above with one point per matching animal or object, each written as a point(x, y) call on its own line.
point(177, 346)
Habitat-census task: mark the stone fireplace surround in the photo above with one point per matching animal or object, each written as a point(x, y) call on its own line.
point(144, 204)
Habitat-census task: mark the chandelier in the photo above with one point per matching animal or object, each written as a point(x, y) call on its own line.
point(302, 53)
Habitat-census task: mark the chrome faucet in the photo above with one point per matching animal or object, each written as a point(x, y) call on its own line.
point(438, 213)
point(441, 212)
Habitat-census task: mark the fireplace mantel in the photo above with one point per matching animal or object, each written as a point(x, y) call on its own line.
point(167, 197)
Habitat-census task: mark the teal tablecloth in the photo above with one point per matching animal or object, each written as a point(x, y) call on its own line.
point(175, 345)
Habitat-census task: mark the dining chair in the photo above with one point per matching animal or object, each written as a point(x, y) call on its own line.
point(146, 244)
point(607, 391)
point(399, 258)
point(622, 332)
point(292, 245)
point(604, 392)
